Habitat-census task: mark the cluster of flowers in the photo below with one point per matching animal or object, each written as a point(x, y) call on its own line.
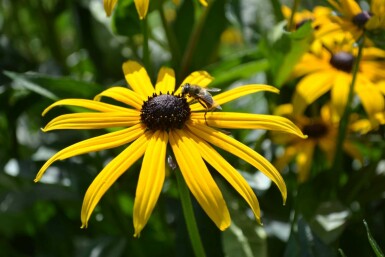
point(341, 54)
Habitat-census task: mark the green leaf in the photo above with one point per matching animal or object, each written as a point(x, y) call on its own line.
point(125, 20)
point(284, 49)
point(377, 250)
point(183, 24)
point(54, 87)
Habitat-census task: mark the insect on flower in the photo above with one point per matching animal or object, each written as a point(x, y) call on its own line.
point(202, 95)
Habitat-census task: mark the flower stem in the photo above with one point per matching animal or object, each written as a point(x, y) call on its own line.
point(291, 25)
point(146, 51)
point(188, 213)
point(343, 126)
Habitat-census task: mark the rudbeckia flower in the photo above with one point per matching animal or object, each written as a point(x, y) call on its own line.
point(322, 133)
point(331, 70)
point(153, 118)
point(352, 18)
point(141, 6)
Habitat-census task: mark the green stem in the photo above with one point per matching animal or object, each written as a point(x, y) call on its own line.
point(277, 10)
point(291, 25)
point(195, 36)
point(344, 122)
point(146, 50)
point(188, 213)
point(172, 42)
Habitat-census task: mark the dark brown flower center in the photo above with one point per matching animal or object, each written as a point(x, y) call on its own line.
point(360, 19)
point(165, 112)
point(342, 61)
point(315, 130)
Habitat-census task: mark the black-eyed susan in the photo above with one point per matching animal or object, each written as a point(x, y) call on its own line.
point(331, 68)
point(141, 6)
point(156, 117)
point(322, 133)
point(354, 19)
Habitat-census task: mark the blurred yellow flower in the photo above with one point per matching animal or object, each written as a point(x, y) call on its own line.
point(141, 6)
point(322, 133)
point(155, 117)
point(330, 69)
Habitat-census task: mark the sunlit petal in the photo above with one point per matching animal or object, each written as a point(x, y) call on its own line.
point(94, 120)
point(198, 179)
point(138, 79)
point(123, 95)
point(200, 78)
point(107, 141)
point(304, 160)
point(166, 81)
point(242, 151)
point(89, 104)
point(228, 172)
point(109, 6)
point(151, 179)
point(110, 174)
point(235, 120)
point(203, 2)
point(236, 93)
point(142, 7)
point(340, 92)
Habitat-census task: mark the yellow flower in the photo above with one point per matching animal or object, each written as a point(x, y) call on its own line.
point(352, 18)
point(141, 6)
point(156, 117)
point(331, 70)
point(322, 133)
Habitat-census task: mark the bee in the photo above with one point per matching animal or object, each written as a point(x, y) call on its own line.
point(202, 95)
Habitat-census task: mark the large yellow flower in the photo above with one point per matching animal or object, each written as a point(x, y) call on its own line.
point(156, 117)
point(141, 6)
point(322, 133)
point(330, 69)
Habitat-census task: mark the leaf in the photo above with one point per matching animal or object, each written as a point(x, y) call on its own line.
point(284, 49)
point(54, 87)
point(125, 20)
point(377, 250)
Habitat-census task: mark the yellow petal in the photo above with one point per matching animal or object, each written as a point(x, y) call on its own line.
point(94, 120)
point(199, 179)
point(107, 141)
point(310, 88)
point(110, 174)
point(235, 93)
point(203, 2)
point(340, 92)
point(228, 172)
point(89, 104)
point(199, 78)
point(142, 7)
point(304, 158)
point(371, 97)
point(151, 179)
point(350, 7)
point(138, 78)
point(123, 95)
point(242, 151)
point(166, 81)
point(282, 161)
point(109, 6)
point(234, 120)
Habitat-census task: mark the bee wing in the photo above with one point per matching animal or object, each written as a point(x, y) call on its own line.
point(213, 89)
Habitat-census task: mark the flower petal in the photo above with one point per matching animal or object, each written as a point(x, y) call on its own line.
point(166, 81)
point(138, 78)
point(371, 97)
point(234, 120)
point(109, 6)
point(203, 2)
point(107, 141)
point(304, 159)
point(242, 151)
point(110, 174)
point(199, 179)
point(89, 104)
point(234, 94)
point(340, 92)
point(151, 179)
point(94, 120)
point(123, 95)
point(142, 7)
point(200, 78)
point(311, 88)
point(228, 172)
